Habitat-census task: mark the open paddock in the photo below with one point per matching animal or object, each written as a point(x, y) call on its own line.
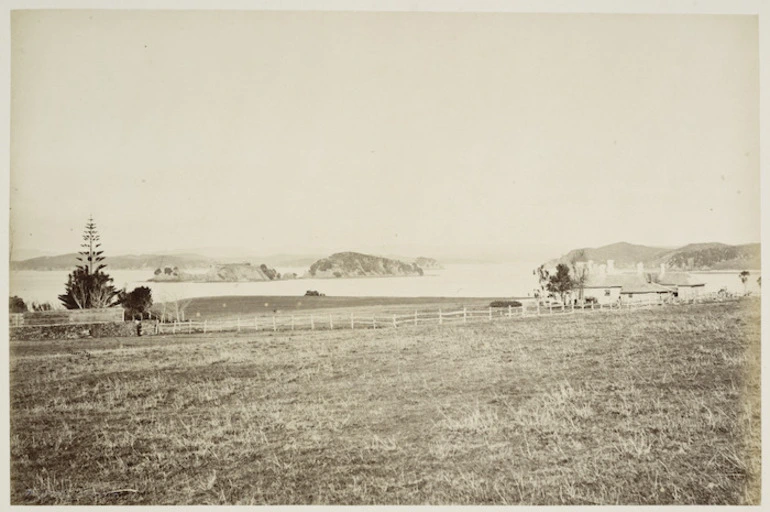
point(659, 406)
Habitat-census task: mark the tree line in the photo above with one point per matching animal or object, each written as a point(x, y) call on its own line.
point(89, 286)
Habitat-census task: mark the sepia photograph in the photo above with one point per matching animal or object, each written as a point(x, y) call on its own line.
point(415, 255)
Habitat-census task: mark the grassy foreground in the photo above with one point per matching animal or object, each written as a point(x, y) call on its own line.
point(641, 407)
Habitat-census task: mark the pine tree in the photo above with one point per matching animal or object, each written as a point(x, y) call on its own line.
point(88, 286)
point(91, 255)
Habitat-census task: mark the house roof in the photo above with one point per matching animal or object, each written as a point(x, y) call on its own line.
point(629, 283)
point(645, 287)
point(677, 279)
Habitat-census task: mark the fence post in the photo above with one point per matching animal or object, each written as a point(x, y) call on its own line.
point(174, 327)
point(510, 312)
point(562, 307)
point(256, 324)
point(312, 323)
point(292, 322)
point(395, 324)
point(374, 322)
point(204, 326)
point(440, 319)
point(573, 306)
point(275, 327)
point(331, 324)
point(352, 321)
point(238, 320)
point(465, 315)
point(189, 327)
point(490, 313)
point(415, 317)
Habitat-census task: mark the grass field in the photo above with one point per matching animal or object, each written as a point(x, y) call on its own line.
point(642, 407)
point(231, 306)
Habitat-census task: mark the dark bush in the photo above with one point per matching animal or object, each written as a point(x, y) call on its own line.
point(137, 302)
point(16, 305)
point(314, 293)
point(504, 304)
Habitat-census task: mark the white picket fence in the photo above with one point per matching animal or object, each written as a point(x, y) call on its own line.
point(333, 321)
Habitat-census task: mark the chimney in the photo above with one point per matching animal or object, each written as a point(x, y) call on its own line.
point(662, 270)
point(610, 266)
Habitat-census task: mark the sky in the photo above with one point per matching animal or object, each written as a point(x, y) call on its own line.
point(459, 133)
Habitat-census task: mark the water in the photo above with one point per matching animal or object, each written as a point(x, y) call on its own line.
point(468, 280)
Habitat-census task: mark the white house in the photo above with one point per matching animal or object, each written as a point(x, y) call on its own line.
point(682, 284)
point(628, 287)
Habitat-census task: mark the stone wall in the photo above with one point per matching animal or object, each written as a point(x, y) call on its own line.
point(75, 331)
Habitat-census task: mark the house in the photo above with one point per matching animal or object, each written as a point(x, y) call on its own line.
point(682, 284)
point(605, 286)
point(628, 287)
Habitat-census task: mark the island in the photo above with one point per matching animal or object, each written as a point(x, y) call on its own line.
point(354, 264)
point(229, 273)
point(427, 263)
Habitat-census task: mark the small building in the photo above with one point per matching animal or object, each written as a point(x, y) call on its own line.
point(601, 293)
point(636, 287)
point(681, 284)
point(639, 290)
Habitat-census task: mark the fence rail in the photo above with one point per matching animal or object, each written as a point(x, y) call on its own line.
point(317, 321)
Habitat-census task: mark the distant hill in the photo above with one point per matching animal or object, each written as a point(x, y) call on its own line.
point(703, 256)
point(713, 256)
point(355, 264)
point(624, 254)
point(123, 262)
point(153, 261)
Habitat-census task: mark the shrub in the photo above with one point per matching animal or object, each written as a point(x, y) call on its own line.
point(504, 304)
point(17, 305)
point(45, 306)
point(137, 302)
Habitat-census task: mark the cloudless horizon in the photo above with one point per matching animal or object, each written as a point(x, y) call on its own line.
point(308, 132)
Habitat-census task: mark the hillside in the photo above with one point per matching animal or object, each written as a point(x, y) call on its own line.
point(702, 256)
point(231, 273)
point(122, 262)
point(354, 264)
point(624, 254)
point(713, 256)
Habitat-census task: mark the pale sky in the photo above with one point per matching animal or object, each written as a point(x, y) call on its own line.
point(303, 131)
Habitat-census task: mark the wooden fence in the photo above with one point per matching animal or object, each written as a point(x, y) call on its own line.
point(334, 321)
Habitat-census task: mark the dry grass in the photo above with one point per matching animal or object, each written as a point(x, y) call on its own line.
point(646, 407)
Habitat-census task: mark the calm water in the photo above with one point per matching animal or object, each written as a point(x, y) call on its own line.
point(471, 280)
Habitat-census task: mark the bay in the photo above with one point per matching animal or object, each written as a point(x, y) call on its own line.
point(457, 280)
